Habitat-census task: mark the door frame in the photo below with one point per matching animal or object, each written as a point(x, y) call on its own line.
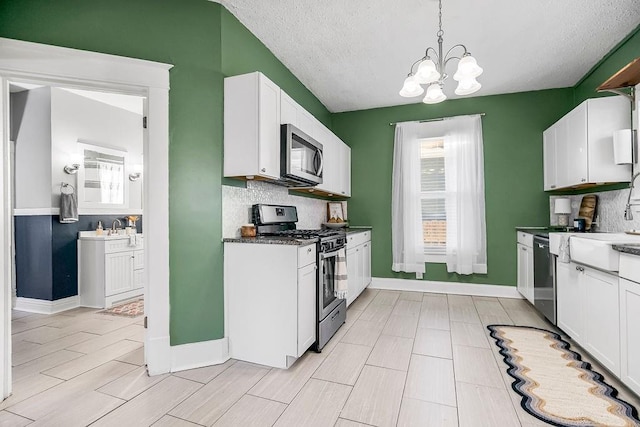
point(53, 65)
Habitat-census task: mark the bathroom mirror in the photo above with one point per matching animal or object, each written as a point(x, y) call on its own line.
point(102, 178)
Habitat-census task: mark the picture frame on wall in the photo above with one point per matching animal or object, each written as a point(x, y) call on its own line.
point(334, 210)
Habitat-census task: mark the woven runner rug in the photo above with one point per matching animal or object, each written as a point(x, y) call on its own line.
point(555, 384)
point(128, 309)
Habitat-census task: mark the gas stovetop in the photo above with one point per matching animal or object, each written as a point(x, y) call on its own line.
point(305, 234)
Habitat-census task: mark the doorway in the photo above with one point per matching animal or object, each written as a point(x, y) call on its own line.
point(77, 175)
point(54, 66)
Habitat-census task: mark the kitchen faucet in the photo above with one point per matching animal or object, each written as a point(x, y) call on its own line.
point(627, 211)
point(113, 225)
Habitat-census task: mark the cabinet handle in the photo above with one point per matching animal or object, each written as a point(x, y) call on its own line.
point(579, 268)
point(524, 249)
point(133, 257)
point(583, 180)
point(263, 170)
point(366, 246)
point(553, 186)
point(309, 250)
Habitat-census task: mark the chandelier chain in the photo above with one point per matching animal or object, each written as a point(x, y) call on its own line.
point(440, 32)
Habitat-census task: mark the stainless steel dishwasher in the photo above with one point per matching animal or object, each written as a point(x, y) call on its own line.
point(544, 289)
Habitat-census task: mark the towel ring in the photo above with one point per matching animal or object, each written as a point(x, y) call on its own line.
point(68, 187)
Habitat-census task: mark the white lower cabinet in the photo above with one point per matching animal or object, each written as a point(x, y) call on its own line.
point(110, 270)
point(525, 265)
point(588, 307)
point(569, 300)
point(358, 264)
point(630, 321)
point(602, 323)
point(270, 301)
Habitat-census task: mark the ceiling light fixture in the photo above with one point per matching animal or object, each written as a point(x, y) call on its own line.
point(431, 72)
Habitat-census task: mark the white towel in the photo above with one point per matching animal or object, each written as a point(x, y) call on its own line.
point(133, 240)
point(341, 285)
point(563, 251)
point(68, 208)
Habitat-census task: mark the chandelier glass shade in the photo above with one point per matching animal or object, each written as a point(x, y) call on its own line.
point(431, 72)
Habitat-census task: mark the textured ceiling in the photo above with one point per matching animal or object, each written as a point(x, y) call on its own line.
point(355, 54)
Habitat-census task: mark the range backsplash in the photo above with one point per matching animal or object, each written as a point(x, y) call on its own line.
point(237, 202)
point(609, 211)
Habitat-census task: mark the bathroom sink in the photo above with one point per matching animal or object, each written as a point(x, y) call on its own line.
point(104, 235)
point(596, 249)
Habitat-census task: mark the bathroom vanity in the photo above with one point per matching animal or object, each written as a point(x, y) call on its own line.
point(110, 268)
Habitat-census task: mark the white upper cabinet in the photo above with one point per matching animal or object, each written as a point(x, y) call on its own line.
point(578, 149)
point(254, 109)
point(251, 127)
point(292, 113)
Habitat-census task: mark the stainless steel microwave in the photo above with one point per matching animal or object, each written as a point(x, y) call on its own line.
point(301, 160)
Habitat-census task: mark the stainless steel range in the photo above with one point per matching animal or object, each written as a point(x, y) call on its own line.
point(331, 313)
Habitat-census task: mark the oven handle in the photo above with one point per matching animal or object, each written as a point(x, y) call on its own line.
point(330, 254)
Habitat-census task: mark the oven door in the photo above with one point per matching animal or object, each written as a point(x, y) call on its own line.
point(327, 300)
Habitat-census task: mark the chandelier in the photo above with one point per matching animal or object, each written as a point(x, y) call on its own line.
point(431, 72)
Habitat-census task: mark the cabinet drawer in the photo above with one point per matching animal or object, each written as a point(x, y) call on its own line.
point(630, 267)
point(525, 238)
point(120, 245)
point(355, 239)
point(306, 255)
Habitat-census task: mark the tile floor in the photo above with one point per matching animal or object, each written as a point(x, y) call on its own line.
point(402, 359)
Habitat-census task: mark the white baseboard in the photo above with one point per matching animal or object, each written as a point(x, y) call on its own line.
point(199, 354)
point(456, 288)
point(41, 306)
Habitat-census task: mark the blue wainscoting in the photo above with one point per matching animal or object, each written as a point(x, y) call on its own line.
point(47, 254)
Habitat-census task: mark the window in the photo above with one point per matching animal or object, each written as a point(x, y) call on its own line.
point(433, 198)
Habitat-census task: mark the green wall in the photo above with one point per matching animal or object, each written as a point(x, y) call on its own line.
point(512, 131)
point(621, 55)
point(243, 53)
point(205, 43)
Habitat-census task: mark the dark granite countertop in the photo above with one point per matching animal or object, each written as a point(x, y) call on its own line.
point(534, 230)
point(628, 248)
point(271, 240)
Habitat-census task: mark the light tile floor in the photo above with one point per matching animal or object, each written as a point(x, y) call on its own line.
point(402, 359)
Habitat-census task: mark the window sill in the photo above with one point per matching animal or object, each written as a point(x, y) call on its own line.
point(435, 259)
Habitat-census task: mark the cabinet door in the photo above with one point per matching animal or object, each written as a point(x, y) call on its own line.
point(353, 284)
point(549, 155)
point(268, 129)
point(118, 272)
point(576, 165)
point(570, 301)
point(345, 169)
point(630, 334)
point(366, 259)
point(602, 320)
point(525, 272)
point(288, 110)
point(306, 307)
point(331, 158)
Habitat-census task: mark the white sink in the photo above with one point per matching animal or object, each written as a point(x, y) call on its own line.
point(596, 249)
point(104, 236)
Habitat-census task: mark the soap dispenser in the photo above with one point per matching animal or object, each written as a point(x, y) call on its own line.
point(99, 229)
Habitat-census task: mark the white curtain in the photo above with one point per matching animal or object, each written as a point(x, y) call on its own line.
point(466, 248)
point(406, 214)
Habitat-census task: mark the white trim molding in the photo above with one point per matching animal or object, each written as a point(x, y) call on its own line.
point(199, 354)
point(41, 306)
point(457, 288)
point(51, 65)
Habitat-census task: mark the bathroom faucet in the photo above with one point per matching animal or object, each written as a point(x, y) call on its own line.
point(627, 210)
point(113, 225)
